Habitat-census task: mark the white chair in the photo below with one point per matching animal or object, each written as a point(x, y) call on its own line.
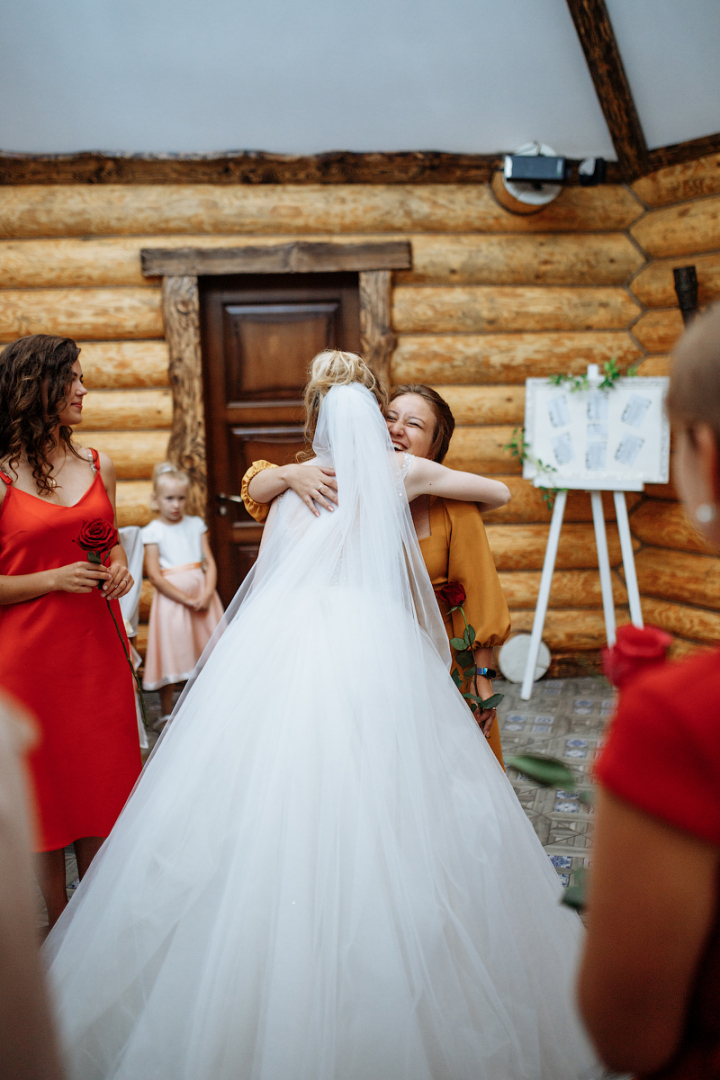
point(131, 541)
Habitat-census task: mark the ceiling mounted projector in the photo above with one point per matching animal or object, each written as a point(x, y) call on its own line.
point(534, 174)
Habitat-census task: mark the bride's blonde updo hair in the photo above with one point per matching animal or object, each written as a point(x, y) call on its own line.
point(333, 367)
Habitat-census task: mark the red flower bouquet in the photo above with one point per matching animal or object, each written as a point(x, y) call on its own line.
point(635, 650)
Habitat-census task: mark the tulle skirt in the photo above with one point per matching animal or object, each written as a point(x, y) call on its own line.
point(323, 874)
point(177, 635)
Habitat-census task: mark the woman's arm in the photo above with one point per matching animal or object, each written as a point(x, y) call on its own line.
point(120, 580)
point(154, 574)
point(79, 577)
point(304, 479)
point(430, 478)
point(650, 911)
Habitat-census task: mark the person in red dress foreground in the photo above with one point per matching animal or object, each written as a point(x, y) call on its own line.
point(650, 979)
point(61, 655)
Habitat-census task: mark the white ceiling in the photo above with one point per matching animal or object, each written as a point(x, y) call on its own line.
point(671, 54)
point(306, 76)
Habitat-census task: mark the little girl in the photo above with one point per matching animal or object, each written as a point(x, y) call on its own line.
point(186, 608)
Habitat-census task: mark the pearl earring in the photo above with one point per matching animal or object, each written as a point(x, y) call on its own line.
point(705, 513)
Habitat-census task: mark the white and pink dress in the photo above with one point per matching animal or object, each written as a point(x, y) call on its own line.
point(176, 634)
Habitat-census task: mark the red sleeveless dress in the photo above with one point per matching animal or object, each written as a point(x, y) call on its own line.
point(61, 657)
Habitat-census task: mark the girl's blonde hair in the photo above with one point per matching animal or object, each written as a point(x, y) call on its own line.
point(333, 367)
point(166, 470)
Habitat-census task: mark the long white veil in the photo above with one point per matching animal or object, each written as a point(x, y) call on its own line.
point(323, 873)
point(368, 542)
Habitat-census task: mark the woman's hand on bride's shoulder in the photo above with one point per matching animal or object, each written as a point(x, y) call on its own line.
point(315, 484)
point(427, 477)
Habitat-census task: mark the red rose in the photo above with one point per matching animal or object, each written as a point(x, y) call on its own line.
point(635, 651)
point(453, 594)
point(97, 535)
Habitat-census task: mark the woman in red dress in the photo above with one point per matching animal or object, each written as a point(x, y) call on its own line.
point(61, 656)
point(650, 979)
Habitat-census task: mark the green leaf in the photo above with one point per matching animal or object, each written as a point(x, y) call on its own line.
point(547, 771)
point(491, 702)
point(471, 634)
point(472, 697)
point(574, 897)
point(465, 659)
point(454, 675)
point(469, 672)
point(457, 643)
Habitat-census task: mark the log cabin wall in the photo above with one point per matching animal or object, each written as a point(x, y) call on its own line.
point(494, 296)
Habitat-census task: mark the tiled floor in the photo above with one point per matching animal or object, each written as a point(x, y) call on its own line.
point(564, 718)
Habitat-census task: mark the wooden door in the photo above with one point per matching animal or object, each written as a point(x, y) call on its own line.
point(259, 334)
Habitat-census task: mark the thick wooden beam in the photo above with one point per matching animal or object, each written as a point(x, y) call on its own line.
point(522, 547)
point(485, 404)
point(377, 341)
point(678, 183)
point(545, 259)
point(588, 258)
point(687, 229)
point(118, 365)
point(655, 287)
point(458, 309)
point(570, 589)
point(482, 450)
point(569, 630)
point(132, 500)
point(602, 55)
point(689, 622)
point(679, 153)
point(527, 505)
point(181, 316)
point(134, 453)
point(294, 211)
point(665, 524)
point(100, 314)
point(127, 410)
point(295, 257)
point(506, 358)
point(657, 331)
point(341, 167)
point(691, 579)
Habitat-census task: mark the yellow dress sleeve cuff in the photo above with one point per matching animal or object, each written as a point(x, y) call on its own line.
point(257, 510)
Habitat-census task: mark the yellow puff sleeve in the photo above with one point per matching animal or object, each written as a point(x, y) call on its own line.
point(257, 510)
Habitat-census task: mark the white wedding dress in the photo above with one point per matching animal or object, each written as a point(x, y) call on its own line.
point(323, 873)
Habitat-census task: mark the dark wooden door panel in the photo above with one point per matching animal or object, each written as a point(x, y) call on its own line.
point(280, 445)
point(266, 341)
point(259, 334)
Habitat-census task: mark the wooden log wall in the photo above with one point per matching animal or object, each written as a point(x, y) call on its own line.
point(493, 297)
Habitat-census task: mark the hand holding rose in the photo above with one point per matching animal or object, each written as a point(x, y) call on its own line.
point(98, 538)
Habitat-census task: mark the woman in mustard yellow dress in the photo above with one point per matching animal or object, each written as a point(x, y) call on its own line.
point(452, 535)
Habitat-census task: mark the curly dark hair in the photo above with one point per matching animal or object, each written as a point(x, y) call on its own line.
point(35, 377)
point(444, 419)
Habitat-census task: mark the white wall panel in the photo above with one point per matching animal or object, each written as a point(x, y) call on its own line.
point(294, 76)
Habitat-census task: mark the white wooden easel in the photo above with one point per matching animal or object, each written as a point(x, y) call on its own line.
point(603, 564)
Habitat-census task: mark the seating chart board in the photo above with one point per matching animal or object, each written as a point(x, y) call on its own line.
point(601, 440)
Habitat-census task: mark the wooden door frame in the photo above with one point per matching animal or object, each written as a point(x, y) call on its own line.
point(180, 269)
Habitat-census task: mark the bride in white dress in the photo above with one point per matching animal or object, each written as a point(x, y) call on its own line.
point(323, 873)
